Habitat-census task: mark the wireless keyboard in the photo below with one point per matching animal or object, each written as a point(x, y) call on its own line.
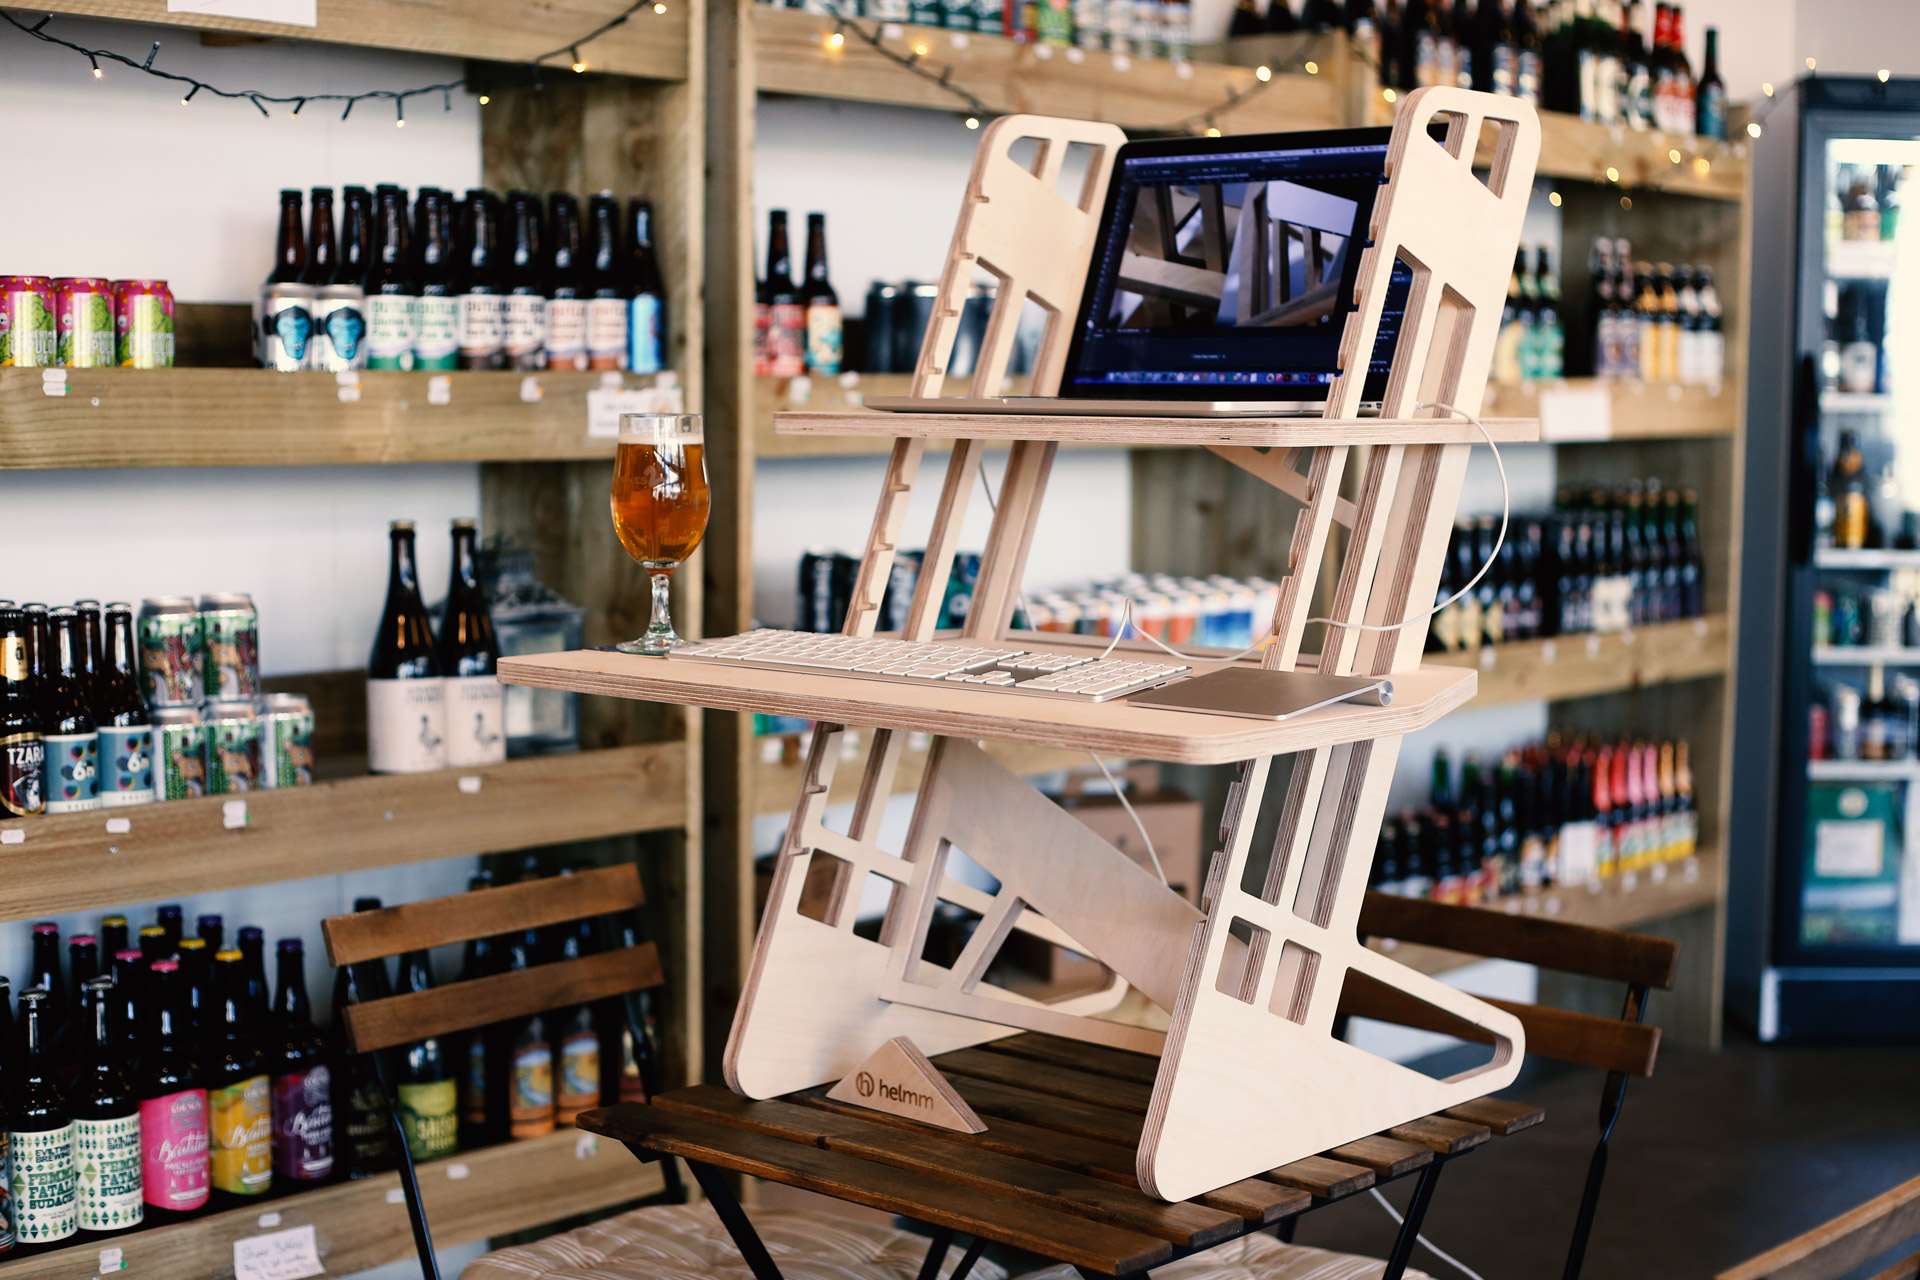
point(1048, 675)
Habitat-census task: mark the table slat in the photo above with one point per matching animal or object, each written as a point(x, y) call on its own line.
point(1439, 1134)
point(1049, 1078)
point(1387, 1157)
point(1324, 1177)
point(1503, 1116)
point(1099, 1059)
point(1028, 1106)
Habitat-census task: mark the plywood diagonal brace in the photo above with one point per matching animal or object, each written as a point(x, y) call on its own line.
point(1274, 467)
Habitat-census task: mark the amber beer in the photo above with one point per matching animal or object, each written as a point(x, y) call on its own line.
point(660, 496)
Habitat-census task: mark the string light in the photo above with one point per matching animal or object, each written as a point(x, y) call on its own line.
point(1613, 174)
point(485, 99)
point(1263, 74)
point(1674, 155)
point(1389, 95)
point(97, 73)
point(1312, 68)
point(1753, 128)
point(1884, 74)
point(1766, 87)
point(1212, 132)
point(400, 113)
point(659, 8)
point(836, 40)
point(973, 122)
point(578, 66)
point(1810, 64)
point(1553, 198)
point(184, 101)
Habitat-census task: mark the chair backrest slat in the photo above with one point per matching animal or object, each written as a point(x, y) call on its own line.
point(479, 1002)
point(1837, 1246)
point(1632, 958)
point(437, 922)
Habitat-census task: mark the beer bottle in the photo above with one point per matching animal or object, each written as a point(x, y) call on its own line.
point(106, 1124)
point(483, 313)
point(301, 1083)
point(631, 1064)
point(322, 258)
point(1693, 585)
point(530, 1049)
point(437, 343)
point(131, 985)
point(824, 329)
point(40, 1132)
point(786, 318)
point(120, 714)
point(428, 1096)
point(406, 698)
point(113, 936)
point(90, 647)
point(153, 943)
point(172, 921)
point(476, 701)
point(525, 341)
point(174, 1156)
point(356, 238)
point(39, 649)
point(566, 307)
point(73, 739)
point(6, 1070)
point(393, 306)
point(198, 1015)
point(45, 975)
point(366, 1142)
point(83, 966)
point(646, 294)
point(210, 928)
point(239, 1099)
point(606, 304)
point(483, 1101)
point(23, 765)
point(576, 1033)
point(290, 250)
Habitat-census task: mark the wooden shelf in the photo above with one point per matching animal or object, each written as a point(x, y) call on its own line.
point(1127, 433)
point(471, 1196)
point(76, 862)
point(1624, 902)
point(1583, 665)
point(792, 55)
point(1869, 559)
point(776, 782)
point(653, 45)
point(1572, 148)
point(1111, 728)
point(254, 417)
point(1635, 410)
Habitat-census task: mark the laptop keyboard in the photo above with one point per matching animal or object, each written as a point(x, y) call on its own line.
point(1049, 675)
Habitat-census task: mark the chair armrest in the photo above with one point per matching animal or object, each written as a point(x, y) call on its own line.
point(1632, 958)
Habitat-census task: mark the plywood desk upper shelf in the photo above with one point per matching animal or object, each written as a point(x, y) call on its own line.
point(1260, 433)
point(1112, 728)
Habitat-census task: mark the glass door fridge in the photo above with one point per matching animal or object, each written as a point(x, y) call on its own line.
point(1824, 867)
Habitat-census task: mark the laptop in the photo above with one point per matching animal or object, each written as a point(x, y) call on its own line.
point(1221, 281)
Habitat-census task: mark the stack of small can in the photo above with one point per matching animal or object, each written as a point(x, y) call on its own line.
point(85, 322)
point(1217, 612)
point(215, 729)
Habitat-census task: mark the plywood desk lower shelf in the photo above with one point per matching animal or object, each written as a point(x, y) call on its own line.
point(1115, 728)
point(1292, 432)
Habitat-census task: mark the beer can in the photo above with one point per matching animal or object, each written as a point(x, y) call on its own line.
point(171, 652)
point(233, 747)
point(339, 328)
point(83, 323)
point(286, 326)
point(286, 741)
point(27, 337)
point(143, 324)
point(179, 753)
point(230, 636)
point(1846, 722)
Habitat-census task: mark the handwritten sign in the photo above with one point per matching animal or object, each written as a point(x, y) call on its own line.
point(279, 1255)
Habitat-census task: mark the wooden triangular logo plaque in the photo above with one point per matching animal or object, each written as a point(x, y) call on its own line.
point(899, 1080)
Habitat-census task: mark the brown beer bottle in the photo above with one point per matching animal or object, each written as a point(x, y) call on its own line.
point(786, 343)
point(321, 257)
point(23, 748)
point(824, 327)
point(120, 714)
point(566, 305)
point(290, 252)
point(356, 237)
point(525, 340)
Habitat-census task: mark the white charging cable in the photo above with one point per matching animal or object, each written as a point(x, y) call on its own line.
point(1431, 1247)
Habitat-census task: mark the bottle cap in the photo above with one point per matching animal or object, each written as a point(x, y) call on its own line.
point(165, 966)
point(227, 956)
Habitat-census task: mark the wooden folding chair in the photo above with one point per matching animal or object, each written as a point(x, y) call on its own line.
point(379, 1025)
point(1837, 1246)
point(1622, 1047)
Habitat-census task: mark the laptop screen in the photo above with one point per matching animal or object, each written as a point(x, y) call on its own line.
point(1225, 268)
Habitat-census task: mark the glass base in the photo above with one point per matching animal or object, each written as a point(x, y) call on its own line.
point(653, 646)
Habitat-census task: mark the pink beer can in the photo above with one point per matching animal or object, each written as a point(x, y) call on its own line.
point(143, 312)
point(27, 338)
point(88, 337)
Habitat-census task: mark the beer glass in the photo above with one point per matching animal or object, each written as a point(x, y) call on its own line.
point(660, 502)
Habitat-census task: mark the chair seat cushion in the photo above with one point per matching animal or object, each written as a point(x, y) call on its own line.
point(687, 1242)
point(1256, 1257)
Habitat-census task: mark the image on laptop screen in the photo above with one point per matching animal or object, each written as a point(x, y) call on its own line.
point(1230, 273)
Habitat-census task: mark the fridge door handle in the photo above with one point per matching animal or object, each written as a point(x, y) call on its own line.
point(1805, 469)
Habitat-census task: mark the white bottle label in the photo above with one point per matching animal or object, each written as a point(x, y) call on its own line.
point(483, 323)
point(406, 725)
point(567, 333)
point(526, 324)
point(106, 1157)
point(43, 1185)
point(607, 328)
point(393, 321)
point(476, 720)
point(439, 336)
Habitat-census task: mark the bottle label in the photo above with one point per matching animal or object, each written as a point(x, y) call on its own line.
point(567, 333)
point(473, 1106)
point(43, 1185)
point(368, 1126)
point(762, 320)
point(429, 1114)
point(606, 332)
point(530, 1095)
point(824, 336)
point(406, 725)
point(579, 1088)
point(526, 326)
point(23, 770)
point(437, 345)
point(1527, 78)
point(72, 772)
point(13, 657)
point(483, 325)
point(303, 1124)
point(1426, 59)
point(241, 1120)
point(1505, 66)
point(393, 323)
point(173, 1150)
point(644, 353)
point(476, 720)
point(6, 1195)
point(126, 765)
point(633, 1086)
point(786, 340)
point(1710, 108)
point(106, 1159)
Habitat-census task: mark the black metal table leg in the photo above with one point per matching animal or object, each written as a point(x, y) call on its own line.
point(967, 1259)
point(734, 1219)
point(936, 1253)
point(1410, 1226)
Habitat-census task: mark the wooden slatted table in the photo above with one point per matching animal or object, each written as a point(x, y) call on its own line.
point(1054, 1172)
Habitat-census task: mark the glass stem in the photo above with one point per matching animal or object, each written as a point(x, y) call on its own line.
point(662, 623)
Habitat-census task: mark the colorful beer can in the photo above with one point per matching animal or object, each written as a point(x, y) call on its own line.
point(339, 328)
point(143, 321)
point(233, 747)
point(286, 326)
point(72, 772)
point(126, 765)
point(179, 753)
point(83, 323)
point(27, 330)
point(286, 741)
point(171, 652)
point(230, 632)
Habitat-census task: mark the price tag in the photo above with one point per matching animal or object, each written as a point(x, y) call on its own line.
point(396, 1196)
point(1657, 873)
point(531, 391)
point(1548, 652)
point(1570, 413)
point(269, 1220)
point(281, 1255)
point(799, 390)
point(891, 31)
point(1700, 626)
point(959, 40)
point(849, 380)
point(1486, 657)
point(457, 1172)
point(440, 389)
point(119, 826)
point(469, 785)
point(610, 380)
point(1183, 69)
point(1044, 52)
point(771, 750)
point(349, 384)
point(53, 382)
point(604, 408)
point(1121, 62)
point(1593, 646)
point(1076, 55)
point(233, 814)
point(112, 1259)
point(13, 836)
point(586, 1147)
